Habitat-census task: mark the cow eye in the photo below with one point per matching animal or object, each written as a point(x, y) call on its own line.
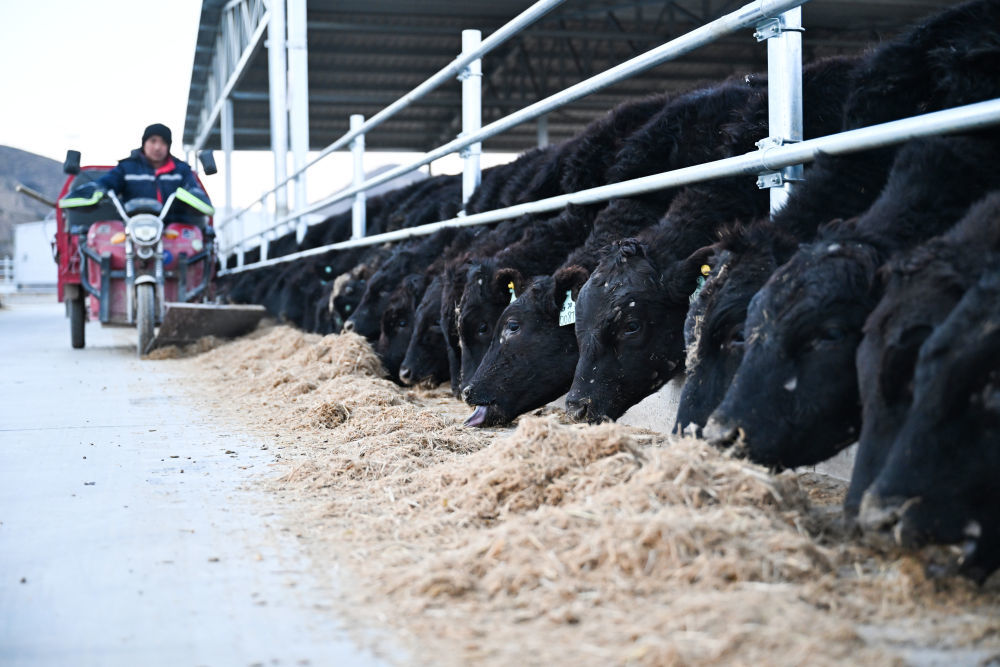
point(632, 327)
point(513, 325)
point(482, 328)
point(833, 333)
point(736, 339)
point(401, 323)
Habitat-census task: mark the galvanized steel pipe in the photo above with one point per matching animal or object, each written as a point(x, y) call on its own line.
point(472, 113)
point(358, 210)
point(747, 16)
point(965, 118)
point(502, 34)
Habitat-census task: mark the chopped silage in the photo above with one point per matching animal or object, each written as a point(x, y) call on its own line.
point(570, 544)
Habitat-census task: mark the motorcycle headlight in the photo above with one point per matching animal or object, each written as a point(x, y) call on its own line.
point(146, 229)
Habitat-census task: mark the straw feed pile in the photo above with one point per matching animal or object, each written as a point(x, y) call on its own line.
point(557, 543)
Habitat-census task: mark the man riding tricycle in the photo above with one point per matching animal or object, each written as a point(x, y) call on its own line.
point(133, 238)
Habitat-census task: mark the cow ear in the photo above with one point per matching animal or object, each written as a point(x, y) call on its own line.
point(837, 226)
point(509, 281)
point(899, 362)
point(691, 273)
point(570, 279)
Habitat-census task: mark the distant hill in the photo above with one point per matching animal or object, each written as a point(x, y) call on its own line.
point(34, 171)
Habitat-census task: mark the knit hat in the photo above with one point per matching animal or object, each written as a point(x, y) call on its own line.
point(158, 129)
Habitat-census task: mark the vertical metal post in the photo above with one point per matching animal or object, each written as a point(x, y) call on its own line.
point(241, 234)
point(277, 70)
point(543, 131)
point(226, 132)
point(472, 113)
point(358, 152)
point(784, 91)
point(298, 93)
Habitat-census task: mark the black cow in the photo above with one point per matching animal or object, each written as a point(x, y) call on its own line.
point(508, 381)
point(644, 137)
point(920, 289)
point(939, 481)
point(631, 315)
point(742, 260)
point(543, 246)
point(426, 359)
point(949, 60)
point(408, 257)
point(522, 374)
point(794, 399)
point(397, 323)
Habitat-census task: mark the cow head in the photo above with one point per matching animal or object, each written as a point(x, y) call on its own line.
point(919, 290)
point(938, 482)
point(487, 292)
point(628, 328)
point(396, 325)
point(794, 399)
point(367, 315)
point(530, 360)
point(739, 265)
point(426, 361)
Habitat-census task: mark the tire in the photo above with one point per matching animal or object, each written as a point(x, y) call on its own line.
point(145, 302)
point(77, 320)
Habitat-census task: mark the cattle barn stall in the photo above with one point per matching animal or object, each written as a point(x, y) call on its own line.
point(539, 73)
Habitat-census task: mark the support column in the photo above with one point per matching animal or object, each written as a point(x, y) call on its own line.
point(226, 136)
point(277, 69)
point(298, 92)
point(358, 221)
point(542, 130)
point(784, 91)
point(472, 113)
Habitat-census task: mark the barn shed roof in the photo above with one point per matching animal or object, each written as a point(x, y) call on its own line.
point(364, 54)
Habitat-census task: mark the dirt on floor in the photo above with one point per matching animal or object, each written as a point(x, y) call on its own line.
point(559, 543)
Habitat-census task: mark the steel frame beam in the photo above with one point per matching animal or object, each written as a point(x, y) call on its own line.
point(241, 31)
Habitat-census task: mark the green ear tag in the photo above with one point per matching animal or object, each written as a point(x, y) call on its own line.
point(510, 286)
point(568, 313)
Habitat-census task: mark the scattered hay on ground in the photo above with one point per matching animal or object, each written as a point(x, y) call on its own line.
point(571, 544)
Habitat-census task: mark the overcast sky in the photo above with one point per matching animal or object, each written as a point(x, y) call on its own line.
point(91, 74)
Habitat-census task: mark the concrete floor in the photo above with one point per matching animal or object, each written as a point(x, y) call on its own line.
point(127, 536)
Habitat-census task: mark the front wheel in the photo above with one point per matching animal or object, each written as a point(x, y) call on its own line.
point(77, 320)
point(145, 302)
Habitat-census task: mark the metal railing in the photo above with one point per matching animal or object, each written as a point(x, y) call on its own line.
point(768, 159)
point(774, 20)
point(357, 131)
point(777, 163)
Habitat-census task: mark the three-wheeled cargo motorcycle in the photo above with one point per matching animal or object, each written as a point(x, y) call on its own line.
point(137, 263)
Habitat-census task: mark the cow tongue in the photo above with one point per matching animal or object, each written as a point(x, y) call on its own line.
point(478, 416)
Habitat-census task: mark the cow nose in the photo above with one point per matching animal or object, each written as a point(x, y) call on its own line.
point(404, 374)
point(720, 433)
point(465, 393)
point(349, 325)
point(577, 410)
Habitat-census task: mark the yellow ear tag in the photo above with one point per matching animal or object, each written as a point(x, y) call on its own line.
point(118, 238)
point(568, 313)
point(171, 234)
point(510, 286)
point(705, 270)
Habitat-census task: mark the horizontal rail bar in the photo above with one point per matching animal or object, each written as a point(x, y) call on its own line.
point(964, 118)
point(745, 17)
point(505, 32)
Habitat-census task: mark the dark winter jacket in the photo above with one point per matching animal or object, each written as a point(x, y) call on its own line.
point(135, 177)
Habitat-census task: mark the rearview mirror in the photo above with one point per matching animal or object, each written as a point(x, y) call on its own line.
point(71, 165)
point(207, 160)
